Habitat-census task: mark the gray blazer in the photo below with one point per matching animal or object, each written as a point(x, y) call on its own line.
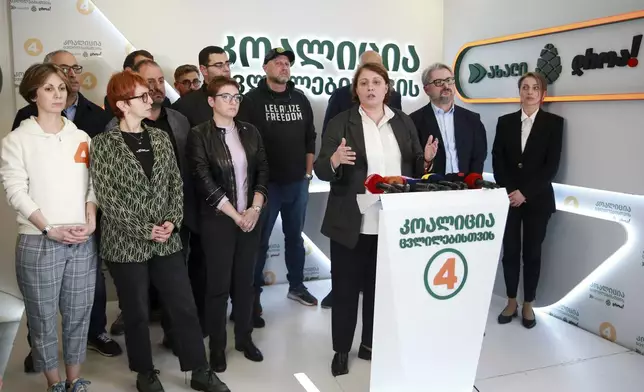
point(342, 218)
point(180, 128)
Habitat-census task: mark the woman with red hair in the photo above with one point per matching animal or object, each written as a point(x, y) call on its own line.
point(139, 189)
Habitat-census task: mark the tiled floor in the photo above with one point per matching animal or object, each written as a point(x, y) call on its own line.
point(553, 357)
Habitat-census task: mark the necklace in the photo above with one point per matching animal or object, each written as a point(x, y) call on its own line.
point(138, 139)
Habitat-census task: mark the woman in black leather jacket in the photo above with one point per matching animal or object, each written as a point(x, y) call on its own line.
point(229, 166)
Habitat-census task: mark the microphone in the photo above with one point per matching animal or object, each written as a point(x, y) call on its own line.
point(394, 180)
point(375, 184)
point(458, 179)
point(435, 178)
point(476, 181)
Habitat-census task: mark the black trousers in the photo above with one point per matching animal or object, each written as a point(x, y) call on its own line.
point(230, 256)
point(197, 273)
point(353, 269)
point(170, 275)
point(535, 223)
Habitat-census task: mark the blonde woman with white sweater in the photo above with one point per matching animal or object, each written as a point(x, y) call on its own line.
point(45, 173)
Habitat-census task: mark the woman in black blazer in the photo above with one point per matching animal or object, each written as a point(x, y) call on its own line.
point(368, 138)
point(525, 159)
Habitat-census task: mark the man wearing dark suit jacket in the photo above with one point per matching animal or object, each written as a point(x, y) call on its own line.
point(92, 119)
point(462, 141)
point(342, 99)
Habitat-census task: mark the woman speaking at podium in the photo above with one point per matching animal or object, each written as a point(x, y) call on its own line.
point(525, 159)
point(366, 139)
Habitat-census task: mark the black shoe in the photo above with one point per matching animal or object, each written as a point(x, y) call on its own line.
point(169, 344)
point(503, 319)
point(527, 323)
point(117, 328)
point(29, 363)
point(149, 382)
point(204, 379)
point(258, 321)
point(326, 302)
point(302, 296)
point(104, 345)
point(340, 364)
point(364, 352)
point(250, 351)
point(218, 361)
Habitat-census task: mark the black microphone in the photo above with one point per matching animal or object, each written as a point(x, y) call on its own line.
point(435, 178)
point(458, 179)
point(476, 181)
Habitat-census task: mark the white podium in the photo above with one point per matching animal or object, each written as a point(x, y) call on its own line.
point(437, 259)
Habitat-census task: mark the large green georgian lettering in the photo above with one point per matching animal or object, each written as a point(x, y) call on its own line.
point(230, 49)
point(392, 65)
point(255, 46)
point(414, 58)
point(305, 46)
point(344, 45)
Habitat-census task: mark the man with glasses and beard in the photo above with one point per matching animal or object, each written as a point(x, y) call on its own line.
point(176, 125)
point(186, 79)
point(91, 119)
point(284, 118)
point(462, 141)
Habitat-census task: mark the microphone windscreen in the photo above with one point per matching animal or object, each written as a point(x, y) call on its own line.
point(371, 182)
point(394, 180)
point(472, 179)
point(455, 177)
point(432, 178)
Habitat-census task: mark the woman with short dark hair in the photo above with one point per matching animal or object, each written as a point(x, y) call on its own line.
point(140, 191)
point(45, 173)
point(231, 175)
point(525, 159)
point(370, 138)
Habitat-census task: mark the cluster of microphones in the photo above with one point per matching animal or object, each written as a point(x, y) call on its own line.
point(431, 182)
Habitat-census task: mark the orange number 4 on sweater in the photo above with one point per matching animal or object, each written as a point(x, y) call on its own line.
point(82, 154)
point(447, 274)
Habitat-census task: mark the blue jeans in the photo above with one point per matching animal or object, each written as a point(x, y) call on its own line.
point(290, 200)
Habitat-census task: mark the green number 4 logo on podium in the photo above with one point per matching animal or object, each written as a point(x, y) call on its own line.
point(445, 274)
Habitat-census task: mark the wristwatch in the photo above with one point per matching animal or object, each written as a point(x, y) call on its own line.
point(257, 208)
point(46, 230)
point(308, 176)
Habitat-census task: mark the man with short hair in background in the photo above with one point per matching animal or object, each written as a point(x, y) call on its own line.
point(130, 61)
point(186, 79)
point(90, 118)
point(284, 118)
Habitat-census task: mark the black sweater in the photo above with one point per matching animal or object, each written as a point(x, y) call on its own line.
point(285, 122)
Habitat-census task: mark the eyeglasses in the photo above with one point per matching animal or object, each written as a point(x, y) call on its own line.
point(76, 68)
point(196, 83)
point(220, 65)
point(144, 97)
point(228, 97)
point(442, 82)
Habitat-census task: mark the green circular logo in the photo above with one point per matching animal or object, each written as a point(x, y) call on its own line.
point(445, 274)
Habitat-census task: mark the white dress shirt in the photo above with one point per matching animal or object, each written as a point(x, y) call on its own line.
point(383, 157)
point(445, 121)
point(526, 126)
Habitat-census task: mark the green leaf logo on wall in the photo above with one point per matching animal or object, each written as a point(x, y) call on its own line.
point(318, 54)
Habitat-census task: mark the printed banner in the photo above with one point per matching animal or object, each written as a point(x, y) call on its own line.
point(607, 302)
point(436, 263)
